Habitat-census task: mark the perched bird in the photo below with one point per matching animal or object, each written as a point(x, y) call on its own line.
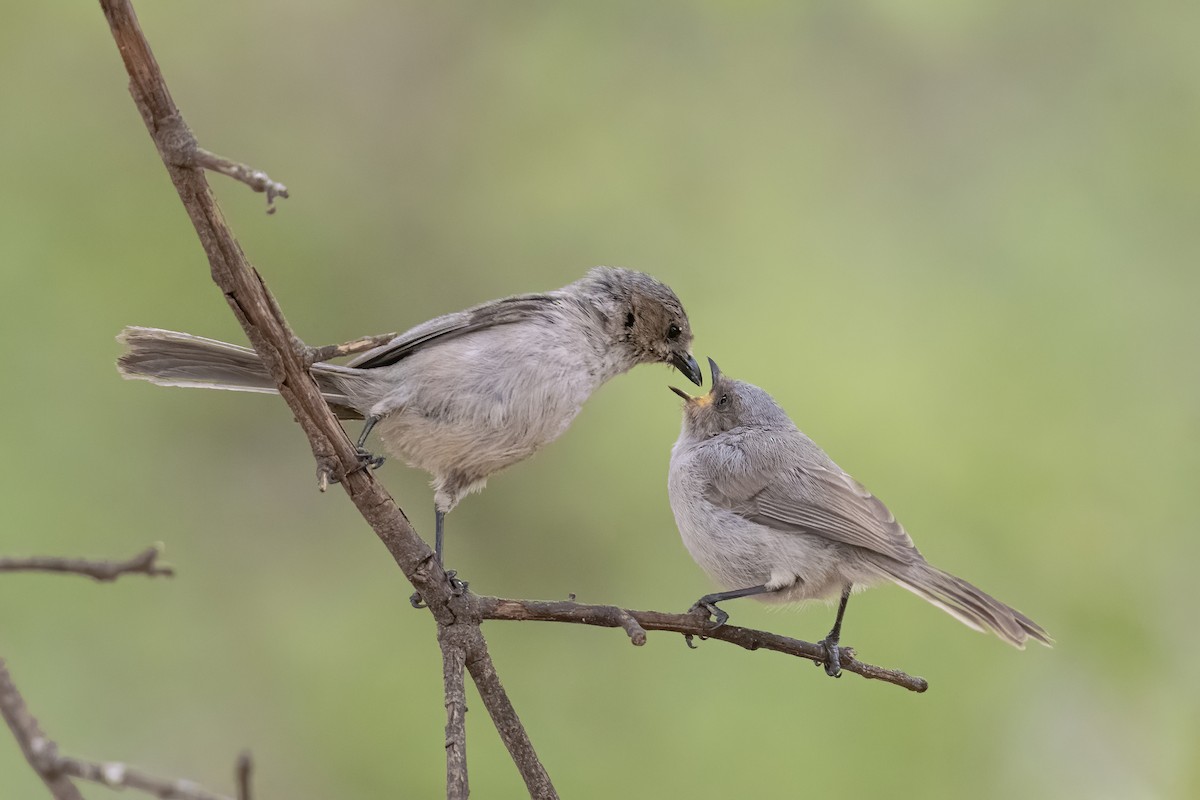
point(467, 394)
point(768, 514)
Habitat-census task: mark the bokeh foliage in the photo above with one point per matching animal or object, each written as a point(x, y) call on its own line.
point(957, 241)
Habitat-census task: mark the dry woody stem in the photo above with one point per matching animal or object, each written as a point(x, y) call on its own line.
point(57, 770)
point(692, 624)
point(144, 563)
point(287, 360)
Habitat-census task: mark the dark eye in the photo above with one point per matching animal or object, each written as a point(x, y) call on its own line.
point(723, 401)
point(673, 332)
point(629, 320)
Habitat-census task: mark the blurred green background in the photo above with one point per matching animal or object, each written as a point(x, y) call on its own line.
point(958, 242)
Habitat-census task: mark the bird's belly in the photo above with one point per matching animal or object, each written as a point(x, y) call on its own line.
point(738, 553)
point(474, 434)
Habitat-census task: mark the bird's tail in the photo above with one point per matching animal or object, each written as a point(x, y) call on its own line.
point(969, 605)
point(169, 358)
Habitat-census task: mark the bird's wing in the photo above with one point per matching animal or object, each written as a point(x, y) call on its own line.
point(816, 500)
point(488, 315)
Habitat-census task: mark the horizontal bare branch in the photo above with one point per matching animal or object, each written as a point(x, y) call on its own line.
point(144, 563)
point(116, 775)
point(692, 624)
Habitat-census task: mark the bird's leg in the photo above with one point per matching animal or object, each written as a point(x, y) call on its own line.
point(708, 603)
point(456, 586)
point(368, 458)
point(833, 661)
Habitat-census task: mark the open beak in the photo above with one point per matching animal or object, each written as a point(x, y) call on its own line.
point(703, 399)
point(688, 366)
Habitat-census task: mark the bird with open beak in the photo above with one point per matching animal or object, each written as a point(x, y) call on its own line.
point(769, 515)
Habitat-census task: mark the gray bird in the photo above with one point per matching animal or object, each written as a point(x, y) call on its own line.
point(768, 514)
point(467, 394)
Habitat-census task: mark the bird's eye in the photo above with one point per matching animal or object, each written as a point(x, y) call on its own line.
point(629, 320)
point(673, 331)
point(723, 401)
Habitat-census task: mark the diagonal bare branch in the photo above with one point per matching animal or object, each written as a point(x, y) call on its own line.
point(57, 770)
point(40, 752)
point(285, 357)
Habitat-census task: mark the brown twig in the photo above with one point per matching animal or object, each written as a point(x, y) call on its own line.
point(241, 772)
point(256, 179)
point(454, 660)
point(329, 351)
point(508, 724)
point(144, 563)
point(691, 624)
point(40, 752)
point(57, 770)
point(284, 357)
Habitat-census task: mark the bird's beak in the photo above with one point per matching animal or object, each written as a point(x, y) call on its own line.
point(699, 401)
point(686, 364)
point(687, 397)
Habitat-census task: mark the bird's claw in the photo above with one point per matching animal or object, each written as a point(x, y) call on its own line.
point(833, 658)
point(457, 587)
point(719, 616)
point(368, 460)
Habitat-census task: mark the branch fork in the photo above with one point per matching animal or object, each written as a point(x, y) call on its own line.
point(458, 616)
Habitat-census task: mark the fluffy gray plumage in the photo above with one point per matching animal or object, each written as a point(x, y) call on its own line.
point(758, 503)
point(466, 394)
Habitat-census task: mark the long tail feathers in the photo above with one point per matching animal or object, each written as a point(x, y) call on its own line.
point(170, 358)
point(969, 605)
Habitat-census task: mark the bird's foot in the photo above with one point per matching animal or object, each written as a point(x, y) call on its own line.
point(457, 587)
point(833, 658)
point(368, 460)
point(710, 609)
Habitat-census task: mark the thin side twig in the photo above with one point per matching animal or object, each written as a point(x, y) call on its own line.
point(692, 624)
point(330, 351)
point(144, 563)
point(116, 775)
point(256, 179)
point(57, 770)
